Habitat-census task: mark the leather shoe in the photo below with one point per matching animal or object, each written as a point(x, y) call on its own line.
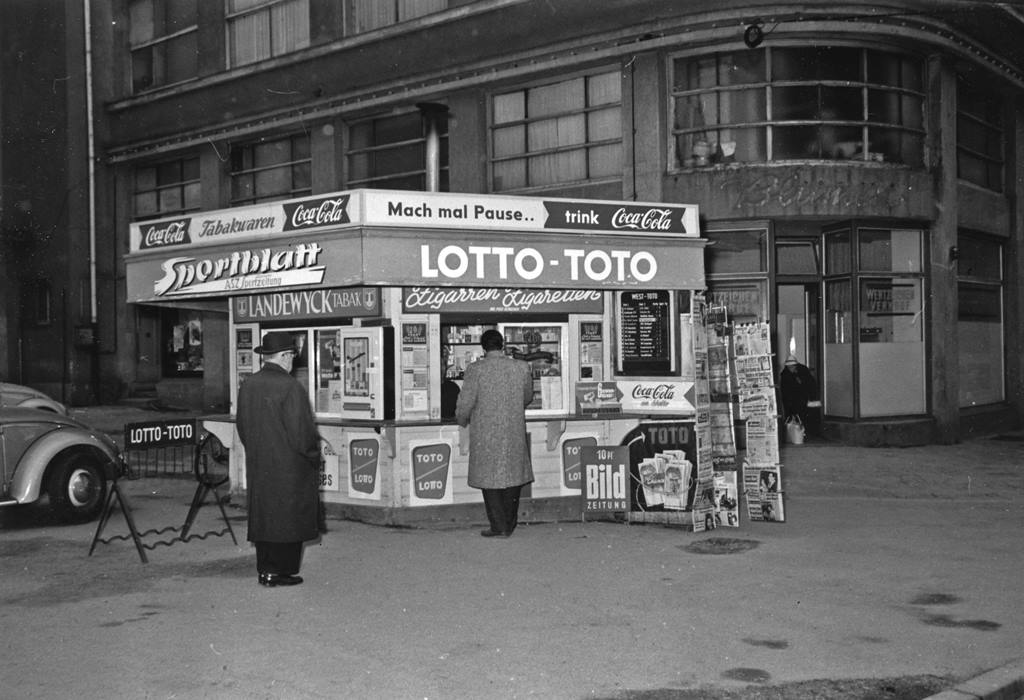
point(271, 580)
point(492, 533)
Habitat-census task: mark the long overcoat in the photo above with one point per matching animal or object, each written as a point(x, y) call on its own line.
point(282, 457)
point(492, 403)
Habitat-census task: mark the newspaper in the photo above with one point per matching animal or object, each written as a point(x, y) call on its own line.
point(762, 489)
point(727, 502)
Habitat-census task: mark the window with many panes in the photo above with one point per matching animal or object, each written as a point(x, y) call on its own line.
point(558, 133)
point(162, 37)
point(390, 152)
point(979, 135)
point(366, 15)
point(260, 29)
point(271, 169)
point(797, 103)
point(980, 319)
point(167, 188)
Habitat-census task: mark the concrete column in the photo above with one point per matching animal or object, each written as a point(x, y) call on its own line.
point(643, 145)
point(942, 296)
point(1013, 266)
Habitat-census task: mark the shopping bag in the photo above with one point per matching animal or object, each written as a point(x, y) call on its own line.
point(795, 431)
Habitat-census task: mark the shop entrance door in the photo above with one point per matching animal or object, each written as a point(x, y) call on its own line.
point(797, 333)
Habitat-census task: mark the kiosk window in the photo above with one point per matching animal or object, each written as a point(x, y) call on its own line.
point(647, 330)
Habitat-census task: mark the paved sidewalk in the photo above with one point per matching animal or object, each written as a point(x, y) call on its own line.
point(893, 563)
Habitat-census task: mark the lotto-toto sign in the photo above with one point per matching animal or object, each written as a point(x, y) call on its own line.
point(363, 459)
point(572, 469)
point(159, 434)
point(605, 471)
point(430, 464)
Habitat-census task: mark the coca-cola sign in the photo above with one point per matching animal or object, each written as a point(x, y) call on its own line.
point(657, 396)
point(632, 218)
point(314, 213)
point(165, 233)
point(654, 392)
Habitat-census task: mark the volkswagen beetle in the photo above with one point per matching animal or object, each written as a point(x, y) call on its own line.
point(47, 453)
point(27, 397)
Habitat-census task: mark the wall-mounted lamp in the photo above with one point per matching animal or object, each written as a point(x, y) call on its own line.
point(954, 253)
point(753, 35)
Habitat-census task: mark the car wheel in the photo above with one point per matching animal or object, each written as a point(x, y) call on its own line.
point(77, 488)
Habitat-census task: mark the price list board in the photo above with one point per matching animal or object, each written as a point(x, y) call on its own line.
point(645, 333)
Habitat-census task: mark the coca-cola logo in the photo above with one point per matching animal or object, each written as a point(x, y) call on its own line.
point(166, 233)
point(647, 220)
point(313, 213)
point(654, 392)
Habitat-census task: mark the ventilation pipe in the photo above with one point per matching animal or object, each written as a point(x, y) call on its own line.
point(432, 113)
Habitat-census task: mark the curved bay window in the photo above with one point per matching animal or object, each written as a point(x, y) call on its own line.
point(874, 323)
point(798, 103)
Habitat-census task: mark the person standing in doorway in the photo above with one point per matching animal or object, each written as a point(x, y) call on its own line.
point(495, 393)
point(797, 386)
point(282, 462)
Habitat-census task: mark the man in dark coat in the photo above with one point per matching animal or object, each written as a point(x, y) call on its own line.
point(282, 462)
point(496, 391)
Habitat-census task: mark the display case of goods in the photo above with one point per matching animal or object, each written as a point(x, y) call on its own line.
point(545, 347)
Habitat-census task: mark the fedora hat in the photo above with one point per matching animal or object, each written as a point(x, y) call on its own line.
point(276, 341)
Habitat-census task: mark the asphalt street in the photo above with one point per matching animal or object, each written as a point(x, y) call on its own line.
point(893, 563)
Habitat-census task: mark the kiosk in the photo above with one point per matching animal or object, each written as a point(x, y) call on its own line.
point(387, 293)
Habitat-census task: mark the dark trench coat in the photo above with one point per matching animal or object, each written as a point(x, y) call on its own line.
point(282, 457)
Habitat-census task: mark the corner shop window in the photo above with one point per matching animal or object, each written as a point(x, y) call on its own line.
point(980, 320)
point(365, 15)
point(260, 29)
point(168, 188)
point(182, 333)
point(980, 129)
point(736, 252)
point(797, 103)
point(874, 323)
point(569, 131)
point(270, 170)
point(162, 41)
point(390, 153)
point(736, 265)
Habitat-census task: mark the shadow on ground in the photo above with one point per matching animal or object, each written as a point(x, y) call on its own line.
point(907, 688)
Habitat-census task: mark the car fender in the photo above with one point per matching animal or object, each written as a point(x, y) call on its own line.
point(31, 471)
point(44, 404)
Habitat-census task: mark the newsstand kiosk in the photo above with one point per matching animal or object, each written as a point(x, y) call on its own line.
point(387, 294)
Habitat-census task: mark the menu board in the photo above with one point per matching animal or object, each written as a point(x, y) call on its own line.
point(645, 320)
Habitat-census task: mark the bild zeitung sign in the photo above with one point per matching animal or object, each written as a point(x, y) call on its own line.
point(404, 239)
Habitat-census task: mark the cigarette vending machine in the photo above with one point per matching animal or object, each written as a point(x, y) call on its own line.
point(365, 387)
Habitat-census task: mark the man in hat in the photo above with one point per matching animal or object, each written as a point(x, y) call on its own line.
point(797, 386)
point(282, 462)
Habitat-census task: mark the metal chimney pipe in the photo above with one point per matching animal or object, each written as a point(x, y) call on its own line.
point(432, 113)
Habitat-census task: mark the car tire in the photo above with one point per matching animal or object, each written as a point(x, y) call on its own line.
point(77, 488)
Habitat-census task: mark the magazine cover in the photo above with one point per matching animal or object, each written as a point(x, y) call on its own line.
point(727, 504)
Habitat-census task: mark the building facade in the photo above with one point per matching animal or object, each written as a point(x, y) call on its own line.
point(856, 167)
